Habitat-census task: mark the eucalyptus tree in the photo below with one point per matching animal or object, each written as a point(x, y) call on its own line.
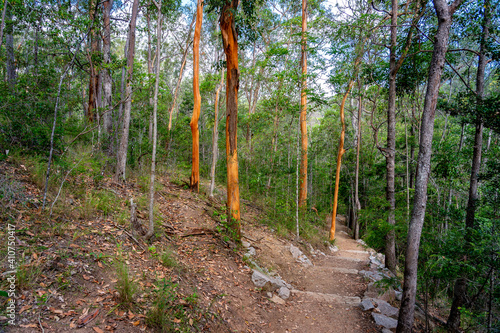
point(195, 171)
point(444, 13)
point(121, 155)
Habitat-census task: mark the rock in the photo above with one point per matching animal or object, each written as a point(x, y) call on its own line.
point(366, 304)
point(333, 249)
point(399, 295)
point(386, 309)
point(251, 252)
point(245, 244)
point(299, 256)
point(384, 321)
point(269, 294)
point(267, 283)
point(385, 330)
point(277, 300)
point(281, 283)
point(284, 293)
point(362, 242)
point(263, 281)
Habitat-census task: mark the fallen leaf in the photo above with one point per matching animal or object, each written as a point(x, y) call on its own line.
point(98, 330)
point(24, 308)
point(29, 326)
point(136, 323)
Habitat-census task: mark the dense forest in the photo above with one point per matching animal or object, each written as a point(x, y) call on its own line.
point(386, 112)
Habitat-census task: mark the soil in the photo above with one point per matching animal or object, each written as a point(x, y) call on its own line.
point(72, 272)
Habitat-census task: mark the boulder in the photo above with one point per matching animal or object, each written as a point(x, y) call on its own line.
point(299, 256)
point(366, 304)
point(386, 309)
point(384, 321)
point(263, 281)
point(284, 293)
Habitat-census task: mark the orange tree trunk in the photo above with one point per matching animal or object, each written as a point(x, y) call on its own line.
point(195, 171)
point(303, 113)
point(339, 161)
point(230, 42)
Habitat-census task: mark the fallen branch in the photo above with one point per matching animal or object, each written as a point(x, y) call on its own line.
point(131, 237)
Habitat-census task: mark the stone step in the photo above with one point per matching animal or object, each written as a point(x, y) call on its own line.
point(334, 269)
point(330, 298)
point(356, 251)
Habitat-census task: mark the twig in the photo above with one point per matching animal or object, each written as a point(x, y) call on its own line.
point(60, 187)
point(132, 237)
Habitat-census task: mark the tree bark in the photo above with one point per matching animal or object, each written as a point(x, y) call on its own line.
point(215, 137)
point(107, 81)
point(390, 242)
point(122, 150)
point(183, 63)
point(9, 46)
point(93, 81)
point(460, 292)
point(357, 204)
point(407, 309)
point(2, 26)
point(303, 112)
point(339, 161)
point(194, 181)
point(230, 42)
point(154, 118)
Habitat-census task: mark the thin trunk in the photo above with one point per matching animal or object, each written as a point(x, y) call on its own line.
point(357, 204)
point(150, 72)
point(303, 112)
point(339, 162)
point(341, 151)
point(407, 173)
point(390, 241)
point(2, 26)
point(155, 109)
point(407, 309)
point(181, 72)
point(215, 137)
point(230, 41)
point(195, 171)
point(93, 81)
point(122, 150)
point(9, 45)
point(107, 81)
point(297, 195)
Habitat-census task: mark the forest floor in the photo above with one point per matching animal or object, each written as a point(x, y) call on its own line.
point(77, 267)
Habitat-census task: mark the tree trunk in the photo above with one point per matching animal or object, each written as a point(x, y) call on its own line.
point(93, 81)
point(215, 137)
point(339, 161)
point(2, 25)
point(407, 309)
point(357, 204)
point(107, 81)
point(390, 242)
point(122, 150)
point(195, 171)
point(459, 295)
point(155, 109)
point(303, 112)
point(183, 63)
point(9, 45)
point(230, 41)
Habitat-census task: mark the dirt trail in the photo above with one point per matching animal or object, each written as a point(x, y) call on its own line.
point(325, 295)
